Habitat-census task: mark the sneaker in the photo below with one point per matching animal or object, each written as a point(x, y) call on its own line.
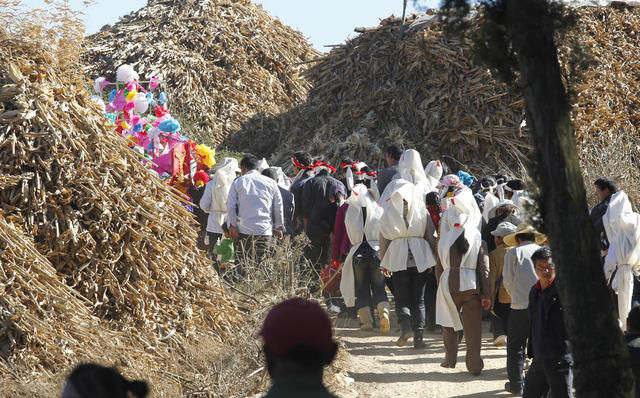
point(500, 341)
point(513, 390)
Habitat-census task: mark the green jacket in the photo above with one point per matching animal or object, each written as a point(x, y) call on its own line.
point(224, 251)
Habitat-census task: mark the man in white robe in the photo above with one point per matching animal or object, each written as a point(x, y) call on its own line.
point(407, 243)
point(622, 226)
point(463, 274)
point(362, 283)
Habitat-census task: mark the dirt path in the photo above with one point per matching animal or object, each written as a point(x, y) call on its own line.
point(380, 369)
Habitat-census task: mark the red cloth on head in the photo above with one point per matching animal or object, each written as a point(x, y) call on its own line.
point(200, 176)
point(297, 322)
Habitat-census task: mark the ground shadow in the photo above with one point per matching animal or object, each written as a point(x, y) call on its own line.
point(417, 361)
point(410, 377)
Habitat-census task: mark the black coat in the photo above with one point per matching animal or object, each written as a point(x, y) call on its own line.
point(196, 195)
point(318, 206)
point(596, 218)
point(548, 337)
point(296, 189)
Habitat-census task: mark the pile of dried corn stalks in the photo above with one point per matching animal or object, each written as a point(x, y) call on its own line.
point(422, 89)
point(223, 61)
point(93, 248)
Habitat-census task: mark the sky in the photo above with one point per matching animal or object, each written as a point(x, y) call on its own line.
point(324, 22)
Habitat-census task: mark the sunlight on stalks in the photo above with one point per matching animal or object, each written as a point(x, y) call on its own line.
point(58, 27)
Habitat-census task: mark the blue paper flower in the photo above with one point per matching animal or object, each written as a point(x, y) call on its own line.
point(466, 178)
point(169, 126)
point(162, 98)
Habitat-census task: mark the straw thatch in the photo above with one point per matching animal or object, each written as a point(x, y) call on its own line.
point(424, 90)
point(87, 233)
point(222, 61)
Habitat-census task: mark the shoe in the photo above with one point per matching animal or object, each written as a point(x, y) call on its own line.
point(513, 390)
point(383, 316)
point(500, 341)
point(403, 340)
point(418, 341)
point(448, 365)
point(366, 321)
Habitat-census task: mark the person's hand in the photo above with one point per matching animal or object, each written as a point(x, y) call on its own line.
point(486, 304)
point(386, 273)
point(234, 233)
point(278, 233)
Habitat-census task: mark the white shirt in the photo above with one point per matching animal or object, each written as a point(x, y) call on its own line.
point(253, 198)
point(519, 275)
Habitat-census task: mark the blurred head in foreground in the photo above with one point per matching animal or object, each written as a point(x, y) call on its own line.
point(95, 381)
point(298, 339)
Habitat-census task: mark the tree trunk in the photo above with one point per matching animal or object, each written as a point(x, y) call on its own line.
point(600, 356)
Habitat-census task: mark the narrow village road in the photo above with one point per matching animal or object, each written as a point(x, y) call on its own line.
point(380, 369)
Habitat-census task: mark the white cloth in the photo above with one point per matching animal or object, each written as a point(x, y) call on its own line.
point(282, 179)
point(622, 284)
point(434, 173)
point(214, 198)
point(622, 226)
point(357, 229)
point(410, 168)
point(262, 165)
point(490, 202)
point(461, 217)
point(519, 275)
point(253, 199)
point(412, 187)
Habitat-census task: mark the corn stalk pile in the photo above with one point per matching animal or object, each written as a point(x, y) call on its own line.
point(223, 61)
point(419, 88)
point(87, 233)
point(43, 322)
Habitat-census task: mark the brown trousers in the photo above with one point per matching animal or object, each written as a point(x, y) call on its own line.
point(469, 303)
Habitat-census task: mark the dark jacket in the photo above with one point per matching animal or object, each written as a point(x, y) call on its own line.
point(385, 176)
point(296, 190)
point(288, 206)
point(196, 195)
point(633, 344)
point(548, 339)
point(319, 208)
point(596, 218)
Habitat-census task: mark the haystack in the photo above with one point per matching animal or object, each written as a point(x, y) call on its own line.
point(424, 90)
point(222, 61)
point(87, 234)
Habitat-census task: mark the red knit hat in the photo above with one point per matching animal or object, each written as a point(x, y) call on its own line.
point(200, 178)
point(297, 322)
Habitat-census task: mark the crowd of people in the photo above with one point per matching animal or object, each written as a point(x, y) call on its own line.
point(451, 250)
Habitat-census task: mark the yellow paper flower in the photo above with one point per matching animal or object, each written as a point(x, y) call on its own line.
point(206, 155)
point(132, 95)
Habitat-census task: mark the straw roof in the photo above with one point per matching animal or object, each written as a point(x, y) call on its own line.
point(88, 235)
point(222, 61)
point(424, 90)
